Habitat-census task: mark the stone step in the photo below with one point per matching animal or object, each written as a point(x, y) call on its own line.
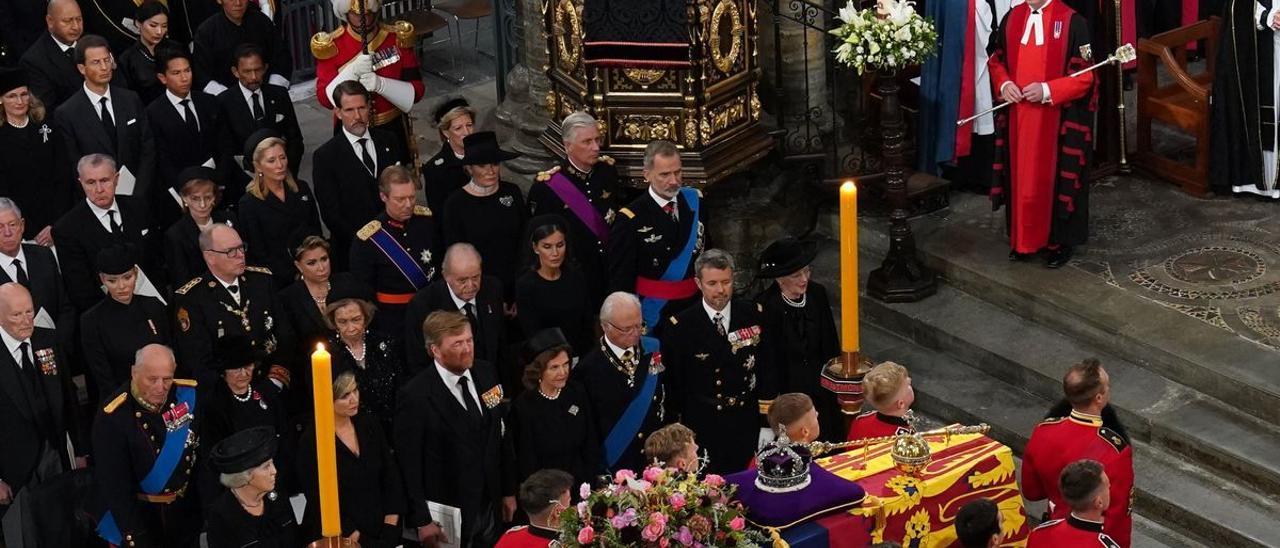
point(1171, 491)
point(1074, 302)
point(1149, 534)
point(1034, 358)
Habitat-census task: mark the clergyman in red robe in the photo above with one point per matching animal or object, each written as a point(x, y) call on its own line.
point(1045, 139)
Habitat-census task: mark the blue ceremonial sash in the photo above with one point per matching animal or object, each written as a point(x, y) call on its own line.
point(406, 264)
point(625, 430)
point(651, 307)
point(167, 461)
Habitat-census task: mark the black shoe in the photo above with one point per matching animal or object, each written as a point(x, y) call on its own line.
point(1019, 257)
point(1059, 257)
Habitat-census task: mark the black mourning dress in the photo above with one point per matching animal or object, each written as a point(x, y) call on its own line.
point(267, 225)
point(493, 224)
point(806, 339)
point(369, 485)
point(557, 433)
point(226, 414)
point(112, 332)
point(137, 67)
point(305, 316)
point(230, 526)
point(379, 377)
point(34, 174)
point(182, 255)
point(442, 175)
point(561, 303)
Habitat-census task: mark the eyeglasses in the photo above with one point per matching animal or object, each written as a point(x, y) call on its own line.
point(237, 251)
point(627, 330)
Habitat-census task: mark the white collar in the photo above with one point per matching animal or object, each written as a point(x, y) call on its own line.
point(351, 137)
point(711, 312)
point(11, 344)
point(177, 101)
point(662, 202)
point(579, 168)
point(457, 301)
point(100, 212)
point(1035, 25)
point(94, 97)
point(225, 284)
point(450, 378)
point(18, 256)
point(248, 93)
point(62, 46)
point(617, 350)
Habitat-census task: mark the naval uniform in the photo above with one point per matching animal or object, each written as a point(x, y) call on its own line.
point(643, 241)
point(599, 186)
point(127, 439)
point(208, 312)
point(416, 240)
point(721, 385)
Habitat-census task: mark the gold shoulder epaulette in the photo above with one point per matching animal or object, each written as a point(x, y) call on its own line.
point(116, 402)
point(404, 34)
point(368, 229)
point(673, 320)
point(627, 212)
point(545, 176)
point(258, 269)
point(1053, 420)
point(185, 382)
point(607, 159)
point(184, 289)
point(1113, 438)
point(322, 46)
point(419, 210)
point(765, 405)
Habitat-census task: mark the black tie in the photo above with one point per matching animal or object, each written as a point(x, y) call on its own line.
point(39, 406)
point(365, 157)
point(108, 123)
point(70, 53)
point(189, 116)
point(21, 274)
point(467, 400)
point(257, 107)
point(115, 225)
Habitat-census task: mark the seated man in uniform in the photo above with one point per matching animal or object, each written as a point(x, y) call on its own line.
point(1087, 490)
point(887, 388)
point(673, 446)
point(542, 496)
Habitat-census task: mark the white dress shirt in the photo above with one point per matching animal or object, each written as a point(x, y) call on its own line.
point(711, 314)
point(12, 345)
point(101, 214)
point(451, 382)
point(662, 202)
point(358, 148)
point(618, 351)
point(9, 268)
point(248, 98)
point(458, 302)
point(227, 285)
point(177, 104)
point(96, 101)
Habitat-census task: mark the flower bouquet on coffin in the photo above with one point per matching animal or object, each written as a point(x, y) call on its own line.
point(890, 37)
point(662, 508)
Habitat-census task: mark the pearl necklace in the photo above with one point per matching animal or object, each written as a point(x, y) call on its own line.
point(321, 300)
point(245, 398)
point(479, 191)
point(796, 304)
point(364, 349)
point(544, 394)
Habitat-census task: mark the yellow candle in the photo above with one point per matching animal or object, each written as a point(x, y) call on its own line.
point(326, 457)
point(849, 267)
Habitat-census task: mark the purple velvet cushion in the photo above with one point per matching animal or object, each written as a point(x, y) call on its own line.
point(825, 493)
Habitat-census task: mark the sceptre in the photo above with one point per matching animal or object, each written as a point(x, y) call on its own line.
point(1122, 55)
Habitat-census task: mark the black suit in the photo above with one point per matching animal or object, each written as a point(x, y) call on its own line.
point(26, 430)
point(449, 455)
point(346, 190)
point(489, 336)
point(178, 146)
point(82, 133)
point(238, 124)
point(80, 235)
point(46, 285)
point(53, 74)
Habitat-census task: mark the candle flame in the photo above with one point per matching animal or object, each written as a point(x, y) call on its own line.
point(320, 347)
point(849, 186)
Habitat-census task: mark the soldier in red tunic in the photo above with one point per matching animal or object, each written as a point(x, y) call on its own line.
point(543, 496)
point(1082, 427)
point(378, 56)
point(1088, 491)
point(887, 388)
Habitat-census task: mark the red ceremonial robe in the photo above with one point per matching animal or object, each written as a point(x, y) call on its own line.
point(1043, 149)
point(1071, 532)
point(1057, 442)
point(873, 424)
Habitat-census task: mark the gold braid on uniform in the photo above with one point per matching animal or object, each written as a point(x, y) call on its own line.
point(545, 176)
point(421, 211)
point(607, 159)
point(322, 46)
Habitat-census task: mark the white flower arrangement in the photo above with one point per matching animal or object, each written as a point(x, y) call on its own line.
point(892, 36)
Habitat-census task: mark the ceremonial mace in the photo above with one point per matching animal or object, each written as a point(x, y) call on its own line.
point(1123, 54)
point(823, 447)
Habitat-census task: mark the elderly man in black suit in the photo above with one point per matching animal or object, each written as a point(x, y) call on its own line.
point(35, 267)
point(187, 127)
point(453, 446)
point(35, 414)
point(100, 221)
point(50, 61)
point(346, 168)
point(464, 288)
point(107, 119)
point(253, 104)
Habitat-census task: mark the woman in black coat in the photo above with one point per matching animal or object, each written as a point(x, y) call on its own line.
point(551, 294)
point(305, 299)
point(137, 65)
point(33, 172)
point(369, 483)
point(488, 213)
point(275, 207)
point(376, 359)
point(249, 512)
point(443, 173)
point(112, 331)
point(200, 195)
point(552, 419)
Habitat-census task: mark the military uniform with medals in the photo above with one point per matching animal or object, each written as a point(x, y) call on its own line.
point(612, 382)
point(600, 186)
point(369, 264)
point(643, 242)
point(207, 312)
point(129, 437)
point(721, 386)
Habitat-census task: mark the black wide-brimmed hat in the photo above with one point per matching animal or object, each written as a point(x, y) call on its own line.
point(13, 78)
point(235, 352)
point(244, 450)
point(543, 341)
point(114, 260)
point(448, 105)
point(251, 144)
point(785, 256)
point(482, 148)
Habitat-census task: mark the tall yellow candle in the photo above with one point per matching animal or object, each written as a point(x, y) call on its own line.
point(849, 267)
point(326, 456)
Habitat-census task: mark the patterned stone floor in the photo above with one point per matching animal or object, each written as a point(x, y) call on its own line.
point(1216, 260)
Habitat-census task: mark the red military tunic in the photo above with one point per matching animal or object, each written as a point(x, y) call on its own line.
point(1071, 532)
point(1057, 442)
point(527, 536)
point(1035, 130)
point(874, 424)
point(393, 57)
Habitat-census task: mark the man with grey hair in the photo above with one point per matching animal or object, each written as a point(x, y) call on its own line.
point(720, 361)
point(101, 221)
point(35, 267)
point(145, 441)
point(583, 190)
point(619, 373)
point(655, 240)
point(461, 287)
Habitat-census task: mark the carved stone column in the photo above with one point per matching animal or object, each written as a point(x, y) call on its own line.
point(522, 114)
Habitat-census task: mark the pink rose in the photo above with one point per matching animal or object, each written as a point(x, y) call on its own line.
point(677, 501)
point(652, 473)
point(586, 535)
point(582, 509)
point(584, 490)
point(657, 524)
point(737, 523)
point(621, 476)
point(684, 536)
point(714, 480)
point(664, 542)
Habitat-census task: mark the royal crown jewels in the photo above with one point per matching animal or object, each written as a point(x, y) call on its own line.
point(783, 467)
